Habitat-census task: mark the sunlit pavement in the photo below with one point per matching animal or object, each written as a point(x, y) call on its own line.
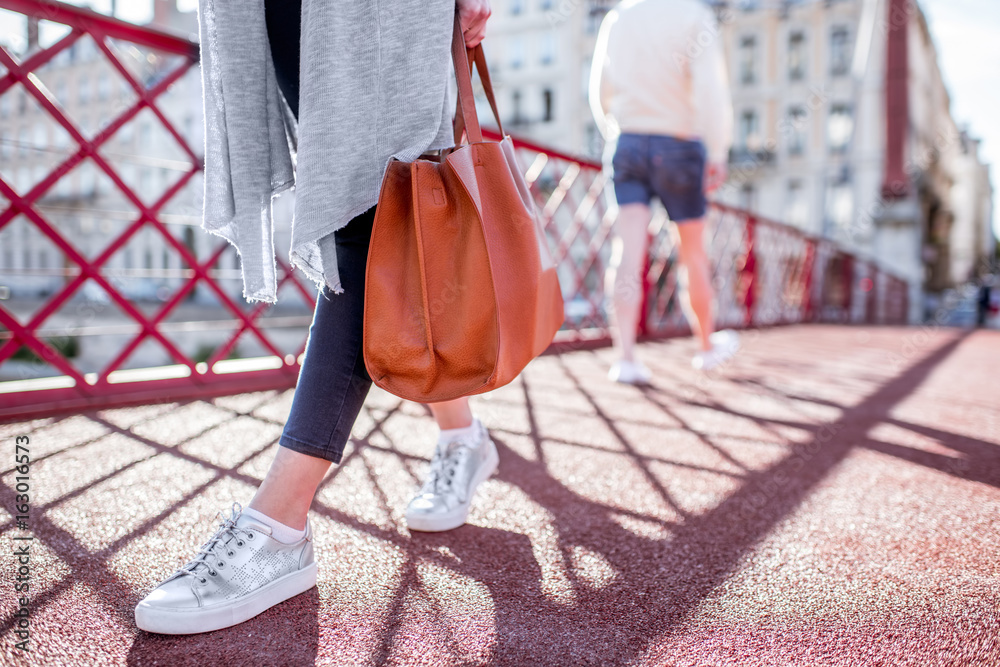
point(830, 498)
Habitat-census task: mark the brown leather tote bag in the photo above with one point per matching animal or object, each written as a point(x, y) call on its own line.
point(461, 290)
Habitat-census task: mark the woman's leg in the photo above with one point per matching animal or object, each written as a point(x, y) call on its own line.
point(452, 414)
point(331, 388)
point(264, 554)
point(465, 456)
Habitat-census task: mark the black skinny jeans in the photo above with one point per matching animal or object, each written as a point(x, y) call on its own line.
point(333, 382)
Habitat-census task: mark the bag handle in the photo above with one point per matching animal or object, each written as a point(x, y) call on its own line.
point(466, 119)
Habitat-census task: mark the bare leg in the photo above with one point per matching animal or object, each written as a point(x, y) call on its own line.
point(698, 296)
point(624, 279)
point(452, 414)
point(287, 492)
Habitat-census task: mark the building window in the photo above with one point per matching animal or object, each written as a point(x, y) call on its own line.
point(61, 138)
point(5, 145)
point(103, 86)
point(797, 130)
point(546, 5)
point(547, 113)
point(517, 7)
point(840, 57)
point(88, 179)
point(64, 189)
point(595, 17)
point(145, 135)
point(22, 142)
point(796, 206)
point(126, 131)
point(516, 52)
point(840, 126)
point(62, 93)
point(22, 103)
point(748, 197)
point(749, 136)
point(796, 56)
point(748, 60)
point(41, 137)
point(515, 104)
point(84, 94)
point(548, 48)
point(840, 203)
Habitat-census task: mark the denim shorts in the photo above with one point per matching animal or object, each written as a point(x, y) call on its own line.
point(653, 165)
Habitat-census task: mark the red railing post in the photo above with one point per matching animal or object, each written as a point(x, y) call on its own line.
point(808, 268)
point(848, 279)
point(904, 301)
point(642, 326)
point(748, 276)
point(871, 300)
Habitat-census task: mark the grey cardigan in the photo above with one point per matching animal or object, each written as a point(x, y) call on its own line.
point(373, 86)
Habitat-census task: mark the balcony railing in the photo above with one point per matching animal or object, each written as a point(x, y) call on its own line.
point(130, 303)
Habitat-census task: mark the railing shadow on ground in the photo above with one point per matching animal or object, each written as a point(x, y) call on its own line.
point(638, 606)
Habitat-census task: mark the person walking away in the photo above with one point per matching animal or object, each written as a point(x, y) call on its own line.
point(660, 95)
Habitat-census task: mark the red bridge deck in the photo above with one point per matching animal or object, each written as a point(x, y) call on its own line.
point(829, 499)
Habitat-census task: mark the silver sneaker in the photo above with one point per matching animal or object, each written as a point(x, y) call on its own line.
point(456, 470)
point(239, 573)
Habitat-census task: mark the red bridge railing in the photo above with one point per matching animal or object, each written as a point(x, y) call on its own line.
point(76, 330)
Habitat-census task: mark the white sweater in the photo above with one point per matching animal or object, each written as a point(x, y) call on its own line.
point(659, 68)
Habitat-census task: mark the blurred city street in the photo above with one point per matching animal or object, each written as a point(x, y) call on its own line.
point(829, 498)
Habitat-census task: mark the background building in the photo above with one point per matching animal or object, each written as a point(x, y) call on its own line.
point(86, 205)
point(843, 122)
point(90, 210)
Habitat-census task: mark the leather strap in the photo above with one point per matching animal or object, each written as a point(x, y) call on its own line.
point(466, 119)
point(466, 102)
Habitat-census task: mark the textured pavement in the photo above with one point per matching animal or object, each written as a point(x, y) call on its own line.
point(830, 498)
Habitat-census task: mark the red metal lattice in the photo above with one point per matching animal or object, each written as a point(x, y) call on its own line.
point(97, 389)
point(766, 273)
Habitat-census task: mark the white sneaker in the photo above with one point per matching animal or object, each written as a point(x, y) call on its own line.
point(630, 372)
point(239, 573)
point(456, 470)
point(724, 346)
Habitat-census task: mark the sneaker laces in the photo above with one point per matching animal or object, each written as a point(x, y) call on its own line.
point(444, 465)
point(227, 529)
